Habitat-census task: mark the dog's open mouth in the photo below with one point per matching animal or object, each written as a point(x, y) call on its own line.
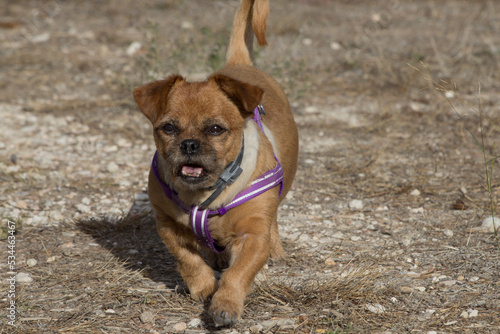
point(192, 172)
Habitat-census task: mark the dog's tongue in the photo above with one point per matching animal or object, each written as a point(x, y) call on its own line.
point(192, 171)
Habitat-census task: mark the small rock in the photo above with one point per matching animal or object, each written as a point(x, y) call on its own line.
point(148, 316)
point(307, 41)
point(23, 278)
point(337, 314)
point(56, 216)
point(112, 167)
point(122, 142)
point(179, 326)
point(124, 183)
point(418, 107)
point(110, 311)
point(464, 314)
point(375, 308)
point(161, 286)
point(83, 208)
point(449, 94)
point(356, 204)
point(355, 238)
point(407, 241)
point(256, 329)
point(335, 46)
point(44, 37)
point(489, 224)
point(417, 210)
point(439, 278)
point(186, 25)
point(304, 238)
point(448, 233)
point(54, 258)
point(68, 234)
point(309, 161)
point(86, 201)
point(415, 192)
point(270, 323)
point(337, 235)
point(449, 282)
point(311, 109)
point(196, 322)
point(100, 313)
point(473, 313)
point(141, 197)
point(31, 262)
point(314, 207)
point(111, 148)
point(133, 48)
point(330, 262)
point(420, 288)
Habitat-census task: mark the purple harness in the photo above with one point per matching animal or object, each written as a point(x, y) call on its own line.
point(199, 217)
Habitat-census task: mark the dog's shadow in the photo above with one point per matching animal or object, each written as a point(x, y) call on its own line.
point(134, 241)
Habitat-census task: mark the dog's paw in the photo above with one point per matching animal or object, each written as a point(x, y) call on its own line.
point(203, 290)
point(225, 311)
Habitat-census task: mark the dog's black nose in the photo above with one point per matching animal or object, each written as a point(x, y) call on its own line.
point(190, 146)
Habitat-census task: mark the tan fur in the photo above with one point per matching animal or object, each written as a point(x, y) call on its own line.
point(227, 98)
point(250, 18)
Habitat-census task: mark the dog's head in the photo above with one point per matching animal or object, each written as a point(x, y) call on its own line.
point(197, 126)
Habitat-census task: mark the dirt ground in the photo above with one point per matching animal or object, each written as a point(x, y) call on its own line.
point(397, 108)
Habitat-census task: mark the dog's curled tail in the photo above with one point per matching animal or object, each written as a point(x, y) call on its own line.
point(250, 19)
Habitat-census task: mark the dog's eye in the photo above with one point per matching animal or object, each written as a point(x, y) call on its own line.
point(215, 130)
point(169, 129)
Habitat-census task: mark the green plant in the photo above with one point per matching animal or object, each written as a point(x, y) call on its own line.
point(488, 178)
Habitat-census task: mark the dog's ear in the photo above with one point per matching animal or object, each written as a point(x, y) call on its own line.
point(245, 96)
point(152, 97)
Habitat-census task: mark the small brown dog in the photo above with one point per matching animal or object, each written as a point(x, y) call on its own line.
point(226, 157)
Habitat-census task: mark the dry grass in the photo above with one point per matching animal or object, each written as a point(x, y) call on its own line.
point(333, 301)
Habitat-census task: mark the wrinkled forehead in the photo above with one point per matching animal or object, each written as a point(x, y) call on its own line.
point(197, 101)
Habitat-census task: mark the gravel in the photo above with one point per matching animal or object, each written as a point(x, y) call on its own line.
point(23, 278)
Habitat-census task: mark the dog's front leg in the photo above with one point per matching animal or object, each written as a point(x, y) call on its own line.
point(197, 275)
point(249, 254)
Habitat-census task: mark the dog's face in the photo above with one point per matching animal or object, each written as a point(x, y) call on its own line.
point(197, 126)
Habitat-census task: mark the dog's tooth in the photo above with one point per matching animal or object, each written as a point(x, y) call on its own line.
point(191, 171)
